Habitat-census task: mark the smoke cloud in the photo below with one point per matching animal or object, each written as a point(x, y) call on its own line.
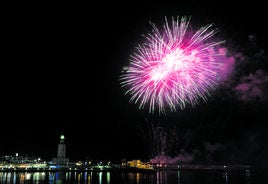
point(248, 78)
point(253, 86)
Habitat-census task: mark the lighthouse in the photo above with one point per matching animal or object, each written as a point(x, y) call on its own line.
point(61, 154)
point(61, 148)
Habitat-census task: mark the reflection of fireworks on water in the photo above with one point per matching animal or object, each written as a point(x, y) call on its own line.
point(175, 67)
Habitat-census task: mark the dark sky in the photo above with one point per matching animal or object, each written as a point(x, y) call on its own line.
point(60, 69)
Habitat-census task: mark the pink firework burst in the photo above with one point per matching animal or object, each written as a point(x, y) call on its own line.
point(174, 67)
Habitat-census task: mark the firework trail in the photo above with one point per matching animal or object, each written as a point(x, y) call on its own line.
point(174, 67)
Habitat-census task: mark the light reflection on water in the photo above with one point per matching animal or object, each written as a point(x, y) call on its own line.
point(115, 177)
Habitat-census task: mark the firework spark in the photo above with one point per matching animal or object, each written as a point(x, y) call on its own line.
point(174, 67)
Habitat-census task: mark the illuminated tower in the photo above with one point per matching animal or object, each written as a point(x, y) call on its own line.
point(61, 154)
point(61, 148)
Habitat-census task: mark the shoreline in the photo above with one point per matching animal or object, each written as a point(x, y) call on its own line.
point(131, 169)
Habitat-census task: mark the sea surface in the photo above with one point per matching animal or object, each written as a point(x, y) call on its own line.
point(158, 177)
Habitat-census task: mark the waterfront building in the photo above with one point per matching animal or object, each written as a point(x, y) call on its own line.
point(139, 164)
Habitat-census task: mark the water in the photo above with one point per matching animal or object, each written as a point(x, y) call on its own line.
point(116, 177)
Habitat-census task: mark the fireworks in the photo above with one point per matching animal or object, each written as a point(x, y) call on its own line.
point(174, 67)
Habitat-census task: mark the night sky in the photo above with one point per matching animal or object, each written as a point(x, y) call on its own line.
point(60, 75)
